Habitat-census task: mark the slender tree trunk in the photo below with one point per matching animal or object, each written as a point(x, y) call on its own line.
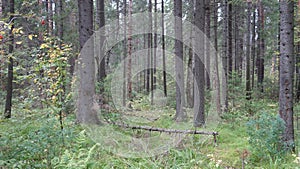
point(118, 18)
point(9, 87)
point(260, 56)
point(86, 91)
point(190, 77)
point(101, 24)
point(253, 44)
point(199, 114)
point(151, 52)
point(50, 15)
point(229, 39)
point(60, 20)
point(129, 80)
point(287, 70)
point(239, 26)
point(248, 80)
point(216, 81)
point(163, 48)
point(298, 58)
point(180, 114)
point(207, 44)
point(124, 51)
point(155, 44)
point(149, 59)
point(225, 57)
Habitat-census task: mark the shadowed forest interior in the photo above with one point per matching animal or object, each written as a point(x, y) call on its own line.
point(150, 84)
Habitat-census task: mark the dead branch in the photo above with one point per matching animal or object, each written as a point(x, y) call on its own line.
point(164, 130)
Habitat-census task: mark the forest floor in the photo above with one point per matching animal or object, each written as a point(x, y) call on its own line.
point(34, 139)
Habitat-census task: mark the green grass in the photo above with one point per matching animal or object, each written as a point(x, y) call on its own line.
point(34, 140)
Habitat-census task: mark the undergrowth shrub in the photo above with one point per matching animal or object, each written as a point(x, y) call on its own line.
point(265, 137)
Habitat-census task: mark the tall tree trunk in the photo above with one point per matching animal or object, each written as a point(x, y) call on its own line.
point(239, 26)
point(199, 115)
point(225, 57)
point(86, 67)
point(101, 24)
point(190, 77)
point(9, 87)
point(248, 65)
point(216, 81)
point(163, 48)
point(287, 70)
point(155, 44)
point(129, 80)
point(124, 51)
point(50, 17)
point(229, 39)
point(180, 114)
point(253, 44)
point(60, 21)
point(298, 57)
point(149, 60)
point(260, 56)
point(207, 44)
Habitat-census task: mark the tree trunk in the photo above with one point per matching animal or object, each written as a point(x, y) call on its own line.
point(253, 44)
point(163, 48)
point(86, 67)
point(225, 58)
point(60, 20)
point(199, 114)
point(260, 56)
point(229, 39)
point(101, 24)
point(216, 81)
point(149, 58)
point(248, 79)
point(124, 52)
point(150, 52)
point(190, 78)
point(180, 114)
point(155, 44)
point(207, 44)
point(9, 87)
point(50, 17)
point(129, 81)
point(287, 70)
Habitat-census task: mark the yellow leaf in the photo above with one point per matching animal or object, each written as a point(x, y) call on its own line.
point(19, 43)
point(43, 46)
point(30, 37)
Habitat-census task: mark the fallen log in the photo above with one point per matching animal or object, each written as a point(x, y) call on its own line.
point(165, 130)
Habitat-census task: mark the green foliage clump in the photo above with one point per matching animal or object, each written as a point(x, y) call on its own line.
point(265, 134)
point(33, 143)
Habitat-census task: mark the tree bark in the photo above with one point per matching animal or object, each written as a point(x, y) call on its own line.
point(190, 77)
point(216, 81)
point(86, 66)
point(180, 114)
point(225, 57)
point(9, 87)
point(253, 44)
point(207, 44)
point(163, 48)
point(101, 24)
point(260, 56)
point(248, 79)
point(229, 39)
point(124, 51)
point(50, 17)
point(199, 114)
point(129, 80)
point(287, 70)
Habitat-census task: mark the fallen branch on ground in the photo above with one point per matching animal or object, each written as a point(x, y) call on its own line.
point(164, 130)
